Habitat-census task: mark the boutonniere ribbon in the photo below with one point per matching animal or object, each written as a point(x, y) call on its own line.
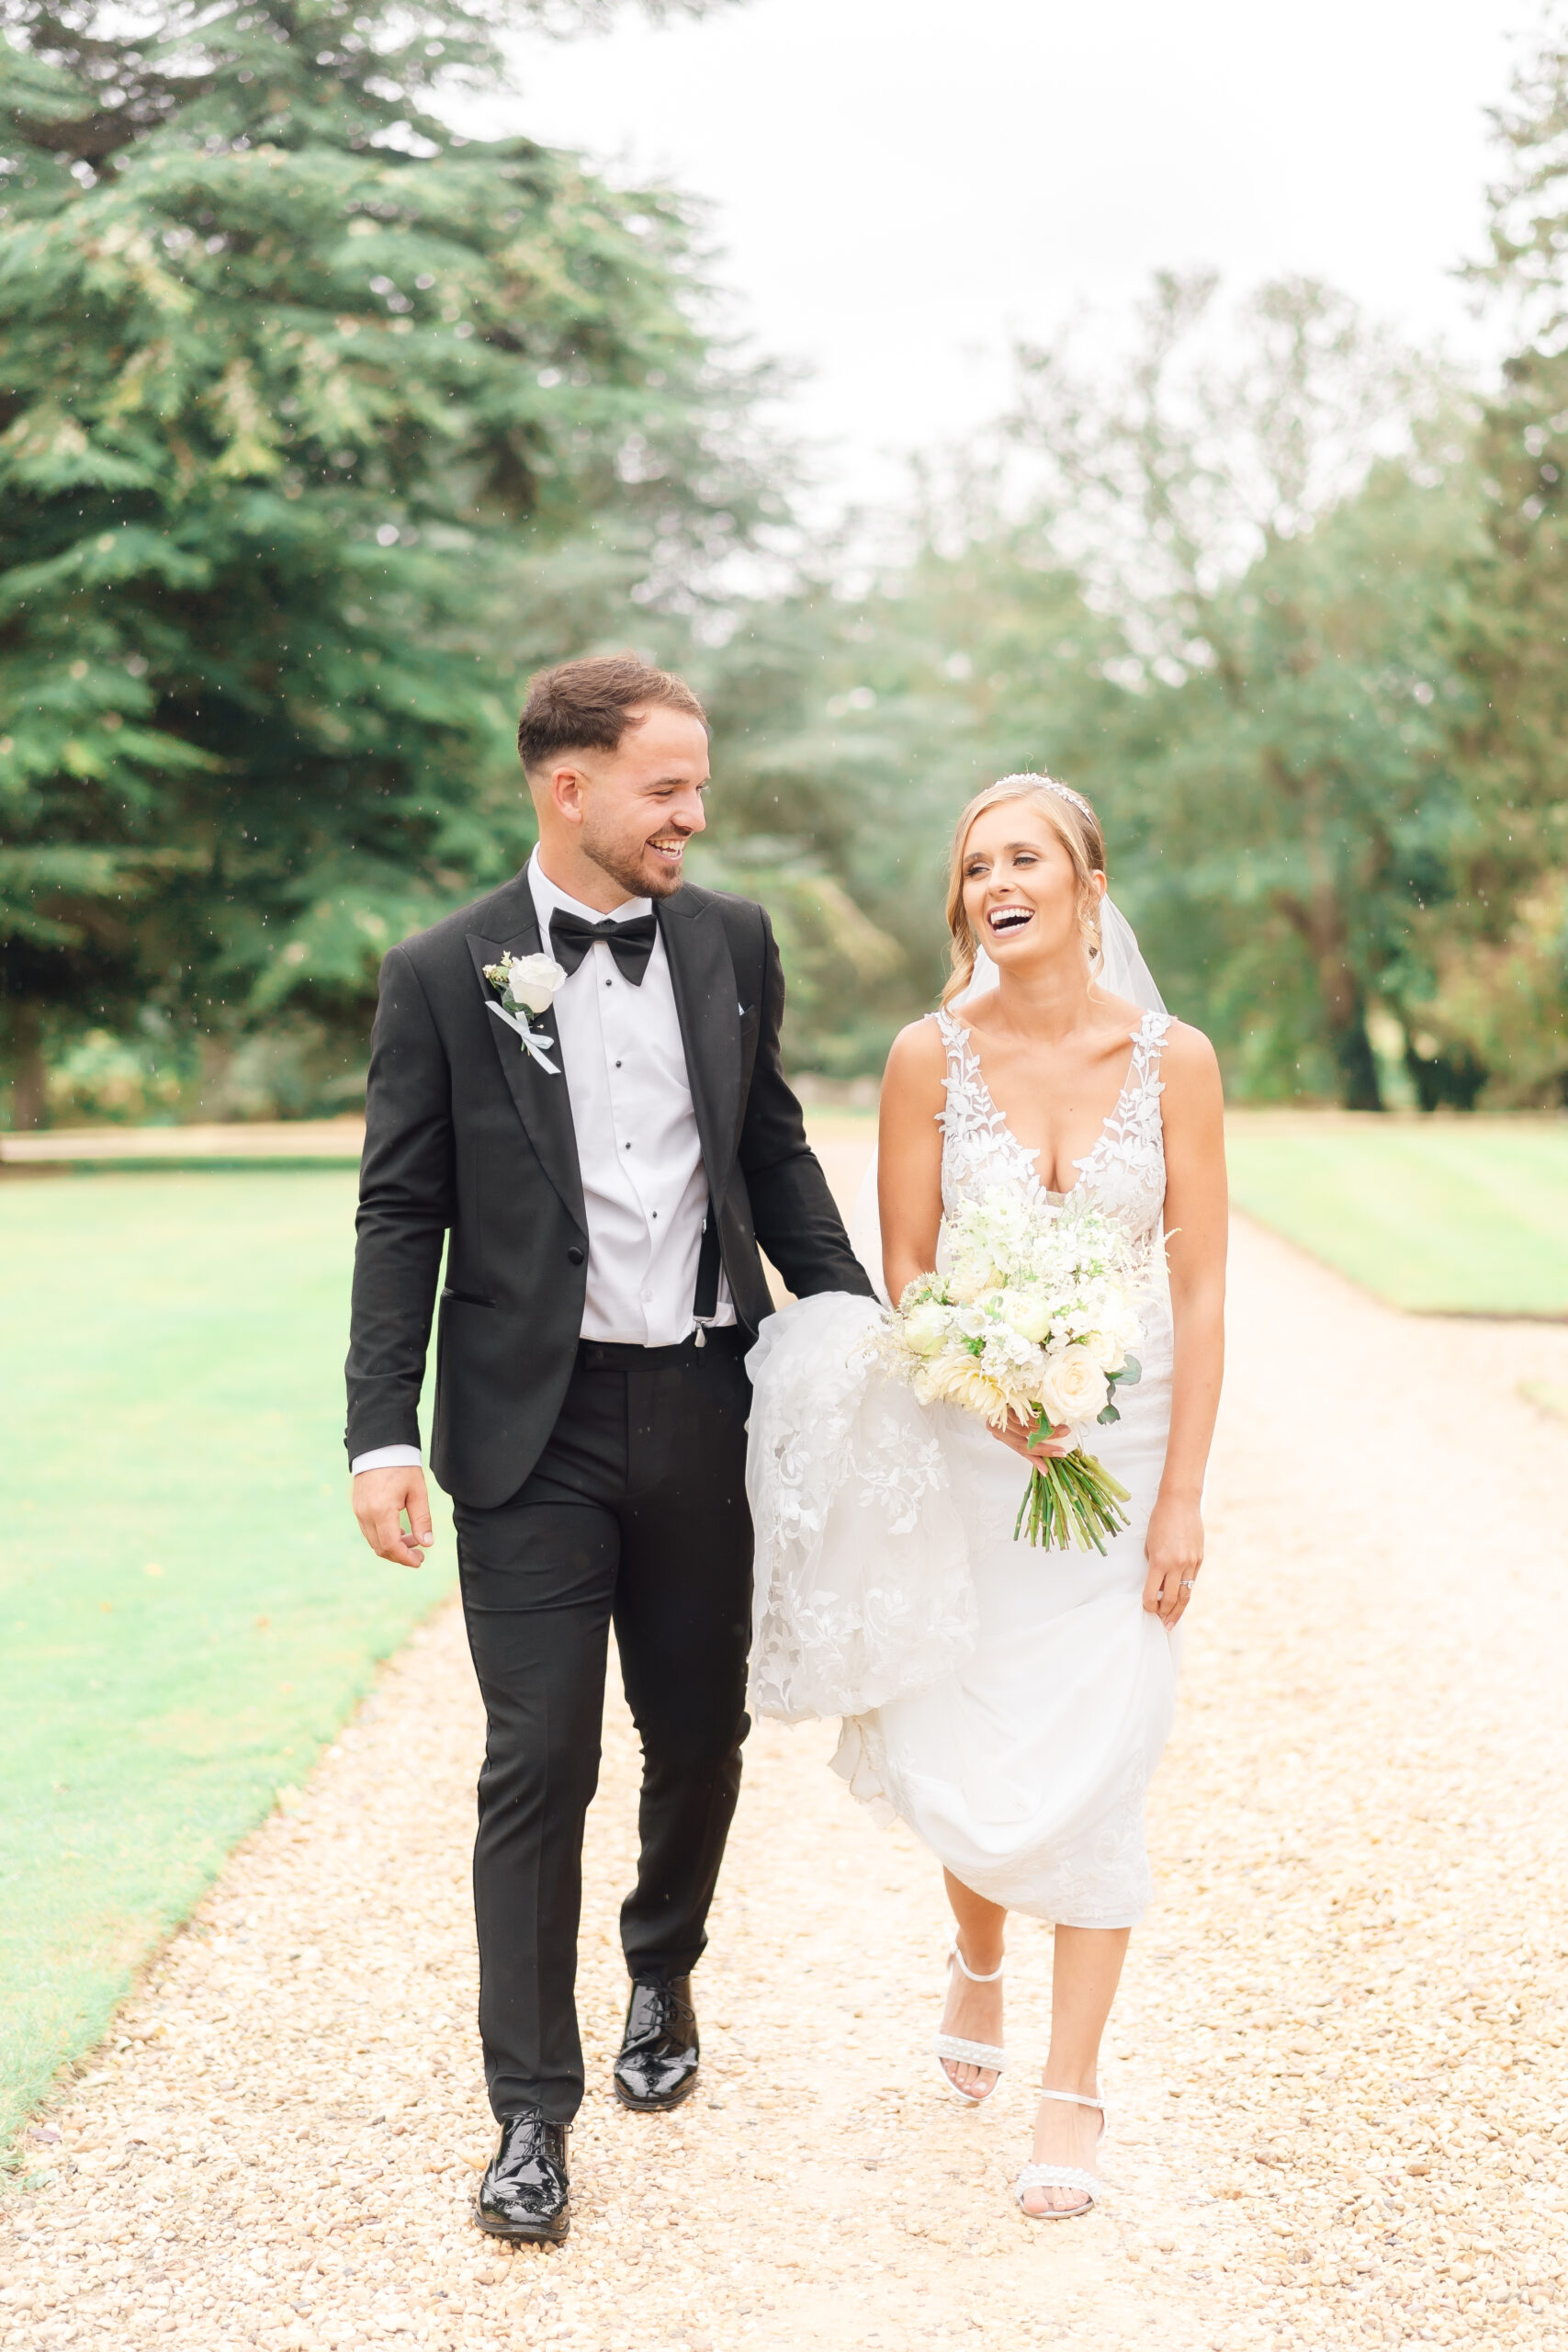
point(527, 984)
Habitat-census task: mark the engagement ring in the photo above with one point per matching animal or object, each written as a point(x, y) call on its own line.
point(1186, 1585)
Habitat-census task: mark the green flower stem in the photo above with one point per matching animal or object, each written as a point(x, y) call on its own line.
point(1071, 1499)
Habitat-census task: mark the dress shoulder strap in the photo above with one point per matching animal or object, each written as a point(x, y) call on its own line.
point(1148, 1044)
point(962, 1058)
point(966, 1104)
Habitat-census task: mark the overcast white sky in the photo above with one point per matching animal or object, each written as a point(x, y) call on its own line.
point(900, 186)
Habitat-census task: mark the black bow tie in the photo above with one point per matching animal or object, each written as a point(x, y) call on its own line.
point(630, 942)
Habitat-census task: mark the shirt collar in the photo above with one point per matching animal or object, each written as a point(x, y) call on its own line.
point(547, 897)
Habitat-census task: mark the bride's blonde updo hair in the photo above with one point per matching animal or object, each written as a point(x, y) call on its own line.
point(1070, 816)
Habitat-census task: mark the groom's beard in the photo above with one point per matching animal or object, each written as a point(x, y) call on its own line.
point(641, 875)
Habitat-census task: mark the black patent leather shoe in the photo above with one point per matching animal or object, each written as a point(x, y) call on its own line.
point(525, 2192)
point(658, 2065)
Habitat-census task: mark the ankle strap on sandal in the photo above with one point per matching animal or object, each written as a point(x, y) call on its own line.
point(966, 1970)
point(1074, 2099)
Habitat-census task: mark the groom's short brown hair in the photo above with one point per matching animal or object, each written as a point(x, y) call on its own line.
point(582, 706)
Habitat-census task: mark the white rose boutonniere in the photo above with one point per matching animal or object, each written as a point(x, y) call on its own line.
point(527, 984)
point(531, 981)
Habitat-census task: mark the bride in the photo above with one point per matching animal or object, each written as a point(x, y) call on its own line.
point(1008, 1704)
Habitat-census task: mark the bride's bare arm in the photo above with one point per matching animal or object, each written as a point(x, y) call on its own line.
point(908, 1171)
point(1197, 1218)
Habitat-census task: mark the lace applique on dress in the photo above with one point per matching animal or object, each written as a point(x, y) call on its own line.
point(863, 1587)
point(1124, 1175)
point(978, 1148)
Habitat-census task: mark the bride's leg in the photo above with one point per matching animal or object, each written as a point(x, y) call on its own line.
point(974, 2012)
point(1083, 1978)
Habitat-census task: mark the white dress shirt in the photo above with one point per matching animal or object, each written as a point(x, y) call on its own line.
point(644, 1186)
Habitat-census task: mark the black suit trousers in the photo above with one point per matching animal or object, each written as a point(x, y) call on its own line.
point(635, 1516)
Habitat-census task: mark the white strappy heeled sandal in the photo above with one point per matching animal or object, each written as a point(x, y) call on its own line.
point(951, 2046)
point(1062, 2175)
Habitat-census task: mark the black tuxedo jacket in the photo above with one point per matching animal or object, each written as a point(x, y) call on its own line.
point(465, 1135)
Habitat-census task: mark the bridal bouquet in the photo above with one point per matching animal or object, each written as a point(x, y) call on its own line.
point(1033, 1316)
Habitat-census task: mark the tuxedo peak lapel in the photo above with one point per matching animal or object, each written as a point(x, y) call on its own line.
point(542, 1104)
point(702, 975)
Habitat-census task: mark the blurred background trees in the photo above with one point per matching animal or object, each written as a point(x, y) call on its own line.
point(308, 404)
point(321, 427)
point(1283, 531)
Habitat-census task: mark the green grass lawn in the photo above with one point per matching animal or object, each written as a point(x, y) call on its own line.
point(187, 1609)
point(1457, 1215)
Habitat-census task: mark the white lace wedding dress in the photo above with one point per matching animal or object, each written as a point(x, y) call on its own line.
point(1008, 1704)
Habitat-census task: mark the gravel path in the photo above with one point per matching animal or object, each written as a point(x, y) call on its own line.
point(1336, 2073)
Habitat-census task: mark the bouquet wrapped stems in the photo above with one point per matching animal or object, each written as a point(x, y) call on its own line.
point(1071, 1499)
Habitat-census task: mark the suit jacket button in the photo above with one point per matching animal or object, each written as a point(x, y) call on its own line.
point(574, 1256)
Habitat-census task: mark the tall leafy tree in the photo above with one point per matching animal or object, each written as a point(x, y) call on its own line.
point(299, 389)
point(1502, 994)
point(1286, 591)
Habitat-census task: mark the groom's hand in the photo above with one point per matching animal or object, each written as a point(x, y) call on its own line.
point(380, 1499)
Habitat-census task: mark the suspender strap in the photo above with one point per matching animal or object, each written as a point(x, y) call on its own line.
point(706, 1304)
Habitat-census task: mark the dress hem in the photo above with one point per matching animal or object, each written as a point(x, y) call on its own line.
point(860, 1763)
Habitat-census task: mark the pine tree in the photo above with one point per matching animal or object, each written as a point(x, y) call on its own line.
point(299, 391)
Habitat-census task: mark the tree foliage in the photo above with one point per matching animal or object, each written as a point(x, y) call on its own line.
point(1502, 998)
point(1222, 589)
point(301, 392)
point(1291, 592)
point(321, 427)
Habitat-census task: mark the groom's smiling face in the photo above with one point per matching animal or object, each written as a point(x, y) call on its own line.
point(630, 812)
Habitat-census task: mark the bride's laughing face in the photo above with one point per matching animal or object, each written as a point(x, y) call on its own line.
point(1020, 888)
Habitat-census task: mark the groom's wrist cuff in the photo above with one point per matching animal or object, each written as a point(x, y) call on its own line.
point(386, 1457)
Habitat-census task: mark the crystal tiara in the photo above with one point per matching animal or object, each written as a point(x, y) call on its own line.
point(1062, 791)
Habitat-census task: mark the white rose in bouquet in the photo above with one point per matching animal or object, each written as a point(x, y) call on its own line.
point(971, 1280)
point(1074, 1389)
point(1108, 1349)
point(925, 1328)
point(1027, 1313)
point(532, 981)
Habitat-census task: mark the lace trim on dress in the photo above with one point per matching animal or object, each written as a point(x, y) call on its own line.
point(861, 1588)
point(1136, 1129)
point(1124, 1171)
point(979, 1146)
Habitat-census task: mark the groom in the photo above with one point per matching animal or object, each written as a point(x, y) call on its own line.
point(602, 1193)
